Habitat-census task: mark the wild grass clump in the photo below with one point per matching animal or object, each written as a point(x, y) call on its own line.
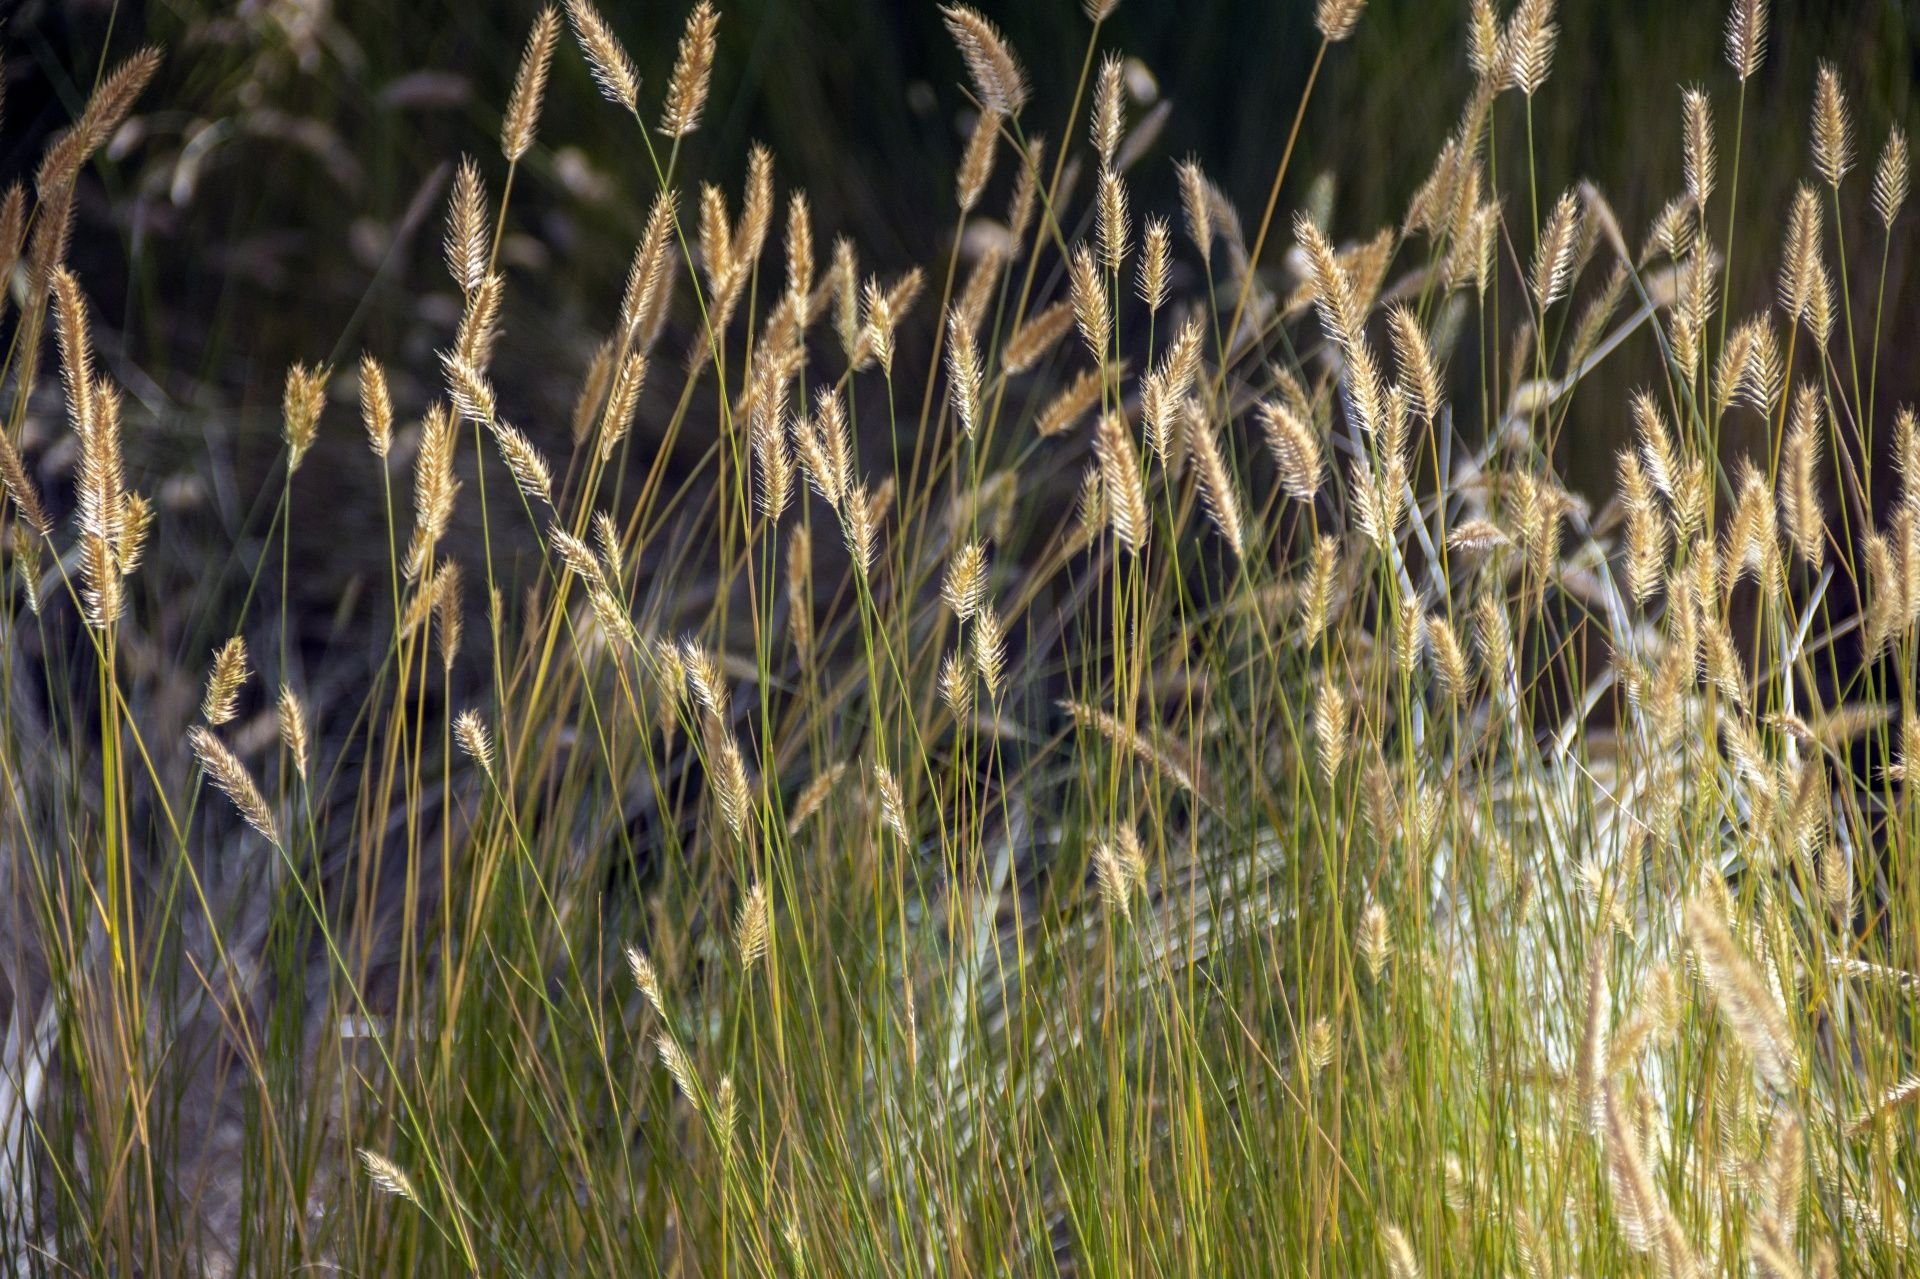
point(1117, 751)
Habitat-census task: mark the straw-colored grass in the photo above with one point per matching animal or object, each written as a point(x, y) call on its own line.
point(903, 791)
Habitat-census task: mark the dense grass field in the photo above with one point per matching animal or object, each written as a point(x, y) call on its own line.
point(1116, 749)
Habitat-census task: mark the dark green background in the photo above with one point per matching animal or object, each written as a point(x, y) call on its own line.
point(337, 119)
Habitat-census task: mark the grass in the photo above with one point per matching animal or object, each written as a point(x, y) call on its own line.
point(1114, 752)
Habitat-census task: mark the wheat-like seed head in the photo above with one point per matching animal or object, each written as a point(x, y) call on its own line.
point(623, 400)
point(305, 396)
point(1375, 942)
point(388, 1177)
point(1218, 494)
point(468, 242)
point(1155, 250)
point(1487, 45)
point(1132, 740)
point(1035, 337)
point(963, 373)
point(1746, 36)
point(956, 685)
point(1120, 481)
point(231, 776)
point(21, 488)
point(1890, 178)
point(965, 586)
point(1112, 227)
point(1529, 45)
point(751, 927)
point(1336, 19)
point(1832, 134)
point(815, 796)
point(1401, 1261)
point(893, 805)
point(1750, 1009)
point(675, 1059)
point(529, 468)
point(292, 716)
point(989, 649)
point(376, 406)
point(692, 73)
point(76, 351)
point(1316, 598)
point(1026, 189)
point(1420, 376)
point(646, 979)
point(449, 622)
point(1061, 413)
point(859, 531)
point(1554, 257)
point(1108, 120)
point(1332, 727)
point(1111, 877)
point(1697, 149)
point(612, 69)
point(474, 739)
point(1197, 208)
point(976, 164)
point(1090, 310)
point(1295, 449)
point(728, 778)
point(522, 119)
point(1320, 1045)
point(998, 79)
point(1637, 1205)
point(222, 700)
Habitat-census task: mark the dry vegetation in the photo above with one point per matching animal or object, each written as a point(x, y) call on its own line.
point(1324, 845)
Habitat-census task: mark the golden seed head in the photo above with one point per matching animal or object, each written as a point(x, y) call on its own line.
point(1336, 19)
point(692, 73)
point(1746, 36)
point(612, 69)
point(231, 776)
point(293, 729)
point(474, 739)
point(965, 586)
point(1112, 225)
point(376, 406)
point(388, 1177)
point(1832, 135)
point(989, 649)
point(976, 164)
point(1108, 118)
point(1890, 178)
point(301, 403)
point(998, 79)
point(1155, 250)
point(229, 672)
point(1090, 303)
point(518, 126)
point(751, 927)
point(1529, 44)
point(646, 979)
point(963, 373)
point(1120, 481)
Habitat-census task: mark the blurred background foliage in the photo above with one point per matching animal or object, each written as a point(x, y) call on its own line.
point(279, 195)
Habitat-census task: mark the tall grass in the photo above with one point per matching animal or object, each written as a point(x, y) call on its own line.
point(1112, 753)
